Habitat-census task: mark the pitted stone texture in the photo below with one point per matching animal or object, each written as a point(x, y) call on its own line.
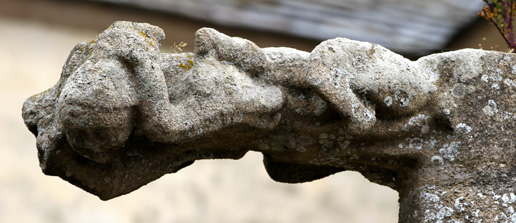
point(438, 130)
point(385, 79)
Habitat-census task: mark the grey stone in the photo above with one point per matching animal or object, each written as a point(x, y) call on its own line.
point(438, 130)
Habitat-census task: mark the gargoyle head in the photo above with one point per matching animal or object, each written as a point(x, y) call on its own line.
point(93, 103)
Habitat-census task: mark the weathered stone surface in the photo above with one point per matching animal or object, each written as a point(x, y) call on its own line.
point(438, 130)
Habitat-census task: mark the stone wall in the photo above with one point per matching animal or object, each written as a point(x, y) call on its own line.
point(438, 130)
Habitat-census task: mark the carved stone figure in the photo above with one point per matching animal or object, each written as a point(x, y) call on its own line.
point(123, 114)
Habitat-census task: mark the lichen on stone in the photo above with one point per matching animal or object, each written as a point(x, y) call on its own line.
point(439, 130)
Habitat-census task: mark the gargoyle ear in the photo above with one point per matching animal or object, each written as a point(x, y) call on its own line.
point(136, 43)
point(128, 40)
point(242, 53)
point(153, 32)
point(144, 29)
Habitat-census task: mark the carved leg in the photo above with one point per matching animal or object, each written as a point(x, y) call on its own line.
point(332, 81)
point(220, 93)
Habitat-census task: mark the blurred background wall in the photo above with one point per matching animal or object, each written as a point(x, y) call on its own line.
point(36, 37)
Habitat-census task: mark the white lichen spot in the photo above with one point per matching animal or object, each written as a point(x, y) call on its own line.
point(444, 212)
point(402, 97)
point(447, 111)
point(368, 116)
point(495, 86)
point(319, 104)
point(431, 143)
point(425, 129)
point(499, 71)
point(416, 143)
point(492, 104)
point(429, 216)
point(313, 80)
point(490, 109)
point(458, 91)
point(430, 197)
point(458, 204)
point(419, 120)
point(475, 214)
point(509, 198)
point(450, 151)
point(509, 215)
point(485, 78)
point(509, 82)
point(505, 198)
point(400, 146)
point(388, 101)
point(507, 115)
point(513, 71)
point(463, 128)
point(437, 158)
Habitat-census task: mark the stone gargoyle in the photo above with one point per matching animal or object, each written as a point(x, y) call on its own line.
point(438, 130)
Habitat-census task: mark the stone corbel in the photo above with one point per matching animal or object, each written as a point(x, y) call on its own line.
point(439, 130)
